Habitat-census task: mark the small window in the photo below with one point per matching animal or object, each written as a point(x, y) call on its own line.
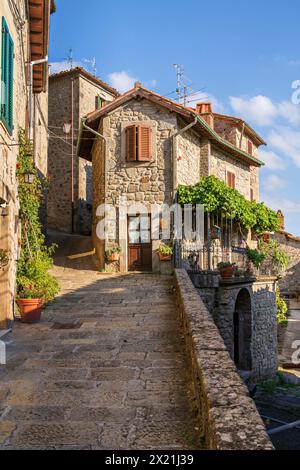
point(250, 147)
point(7, 67)
point(231, 179)
point(138, 143)
point(251, 194)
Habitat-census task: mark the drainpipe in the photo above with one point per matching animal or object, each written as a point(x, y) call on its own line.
point(182, 131)
point(85, 126)
point(31, 65)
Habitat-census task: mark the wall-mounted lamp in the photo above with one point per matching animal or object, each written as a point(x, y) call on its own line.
point(29, 177)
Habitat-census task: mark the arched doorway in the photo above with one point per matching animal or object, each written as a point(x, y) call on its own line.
point(242, 325)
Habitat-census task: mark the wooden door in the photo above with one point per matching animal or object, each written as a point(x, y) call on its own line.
point(139, 243)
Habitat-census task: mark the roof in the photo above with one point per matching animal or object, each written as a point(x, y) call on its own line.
point(86, 74)
point(39, 25)
point(93, 120)
point(250, 131)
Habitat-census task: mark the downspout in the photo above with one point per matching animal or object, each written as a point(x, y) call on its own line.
point(31, 65)
point(174, 152)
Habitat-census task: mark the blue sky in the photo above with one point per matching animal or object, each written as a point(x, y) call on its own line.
point(244, 56)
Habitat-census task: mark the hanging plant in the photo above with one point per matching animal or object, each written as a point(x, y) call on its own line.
point(33, 278)
point(218, 198)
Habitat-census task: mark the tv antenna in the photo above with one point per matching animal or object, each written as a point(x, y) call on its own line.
point(93, 64)
point(70, 58)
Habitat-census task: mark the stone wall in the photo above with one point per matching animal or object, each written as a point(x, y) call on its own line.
point(60, 163)
point(260, 342)
point(9, 151)
point(245, 176)
point(188, 158)
point(290, 283)
point(227, 417)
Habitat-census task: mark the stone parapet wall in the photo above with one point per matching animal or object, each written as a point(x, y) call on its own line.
point(228, 418)
point(290, 283)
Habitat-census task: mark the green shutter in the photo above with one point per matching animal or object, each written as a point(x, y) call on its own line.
point(7, 66)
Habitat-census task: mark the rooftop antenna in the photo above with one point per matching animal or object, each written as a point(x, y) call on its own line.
point(70, 59)
point(93, 63)
point(179, 74)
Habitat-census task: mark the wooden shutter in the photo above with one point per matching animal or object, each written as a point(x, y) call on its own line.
point(144, 143)
point(131, 141)
point(231, 179)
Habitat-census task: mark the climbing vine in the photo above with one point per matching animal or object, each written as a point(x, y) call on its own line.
point(282, 309)
point(33, 278)
point(218, 198)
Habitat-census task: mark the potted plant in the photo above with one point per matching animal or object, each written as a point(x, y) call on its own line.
point(226, 270)
point(113, 255)
point(256, 257)
point(165, 252)
point(35, 286)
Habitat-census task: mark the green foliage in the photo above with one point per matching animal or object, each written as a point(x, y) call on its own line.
point(165, 249)
point(112, 251)
point(33, 278)
point(255, 256)
point(224, 265)
point(282, 309)
point(217, 197)
point(278, 257)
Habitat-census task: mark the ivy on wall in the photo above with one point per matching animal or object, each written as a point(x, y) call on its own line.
point(33, 278)
point(218, 198)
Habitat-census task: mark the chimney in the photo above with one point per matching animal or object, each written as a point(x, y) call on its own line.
point(137, 85)
point(281, 220)
point(205, 110)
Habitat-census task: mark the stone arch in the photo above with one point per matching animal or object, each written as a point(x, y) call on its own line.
point(242, 331)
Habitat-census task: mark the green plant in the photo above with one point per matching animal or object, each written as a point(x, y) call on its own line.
point(33, 278)
point(165, 249)
point(4, 259)
point(255, 256)
point(282, 309)
point(224, 265)
point(277, 256)
point(112, 251)
point(218, 198)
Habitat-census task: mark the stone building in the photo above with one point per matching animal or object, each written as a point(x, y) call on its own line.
point(72, 94)
point(149, 146)
point(23, 41)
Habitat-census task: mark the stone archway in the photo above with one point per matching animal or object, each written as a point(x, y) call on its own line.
point(242, 328)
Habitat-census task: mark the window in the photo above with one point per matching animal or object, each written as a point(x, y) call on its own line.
point(99, 102)
point(231, 179)
point(7, 66)
point(138, 143)
point(250, 147)
point(251, 194)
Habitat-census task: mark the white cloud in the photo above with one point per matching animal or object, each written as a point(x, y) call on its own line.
point(272, 160)
point(285, 205)
point(57, 67)
point(273, 182)
point(122, 81)
point(259, 109)
point(290, 112)
point(287, 141)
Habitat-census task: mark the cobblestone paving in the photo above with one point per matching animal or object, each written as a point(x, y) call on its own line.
point(105, 369)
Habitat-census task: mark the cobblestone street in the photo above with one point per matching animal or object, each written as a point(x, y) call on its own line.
point(105, 369)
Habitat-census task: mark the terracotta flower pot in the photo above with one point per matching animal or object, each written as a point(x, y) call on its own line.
point(114, 257)
point(165, 257)
point(227, 273)
point(30, 310)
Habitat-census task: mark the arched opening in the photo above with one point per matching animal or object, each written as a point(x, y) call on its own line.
point(242, 325)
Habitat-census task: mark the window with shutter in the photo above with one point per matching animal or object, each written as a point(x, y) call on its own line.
point(144, 143)
point(7, 67)
point(231, 179)
point(138, 143)
point(131, 143)
point(250, 147)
